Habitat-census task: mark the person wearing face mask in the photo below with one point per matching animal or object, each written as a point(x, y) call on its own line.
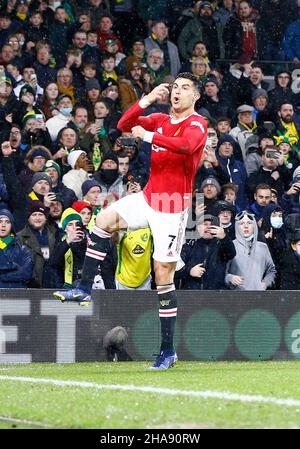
point(108, 175)
point(59, 121)
point(252, 268)
point(273, 233)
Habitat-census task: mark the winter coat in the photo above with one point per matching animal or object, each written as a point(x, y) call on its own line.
point(74, 179)
point(290, 269)
point(213, 254)
point(262, 176)
point(173, 54)
point(203, 29)
point(58, 36)
point(253, 262)
point(291, 41)
point(238, 175)
point(16, 265)
point(28, 238)
point(68, 195)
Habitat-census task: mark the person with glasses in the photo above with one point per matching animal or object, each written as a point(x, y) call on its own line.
point(252, 268)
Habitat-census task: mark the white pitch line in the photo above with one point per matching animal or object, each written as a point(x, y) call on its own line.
point(206, 394)
point(24, 421)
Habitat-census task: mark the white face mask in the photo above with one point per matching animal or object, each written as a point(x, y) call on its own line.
point(56, 4)
point(276, 222)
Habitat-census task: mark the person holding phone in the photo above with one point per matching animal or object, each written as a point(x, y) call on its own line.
point(272, 172)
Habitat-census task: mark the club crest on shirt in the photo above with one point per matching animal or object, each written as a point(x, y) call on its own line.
point(157, 149)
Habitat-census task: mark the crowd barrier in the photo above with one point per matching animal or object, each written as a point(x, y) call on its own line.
point(211, 325)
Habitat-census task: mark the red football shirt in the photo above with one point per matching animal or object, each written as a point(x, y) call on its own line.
point(177, 148)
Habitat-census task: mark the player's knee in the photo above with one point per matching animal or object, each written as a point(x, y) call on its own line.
point(109, 220)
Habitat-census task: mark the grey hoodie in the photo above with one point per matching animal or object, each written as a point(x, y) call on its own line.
point(253, 262)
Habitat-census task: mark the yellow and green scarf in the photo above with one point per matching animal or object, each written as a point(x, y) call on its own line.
point(6, 241)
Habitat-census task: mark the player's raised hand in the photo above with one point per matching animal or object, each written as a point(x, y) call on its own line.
point(158, 93)
point(138, 132)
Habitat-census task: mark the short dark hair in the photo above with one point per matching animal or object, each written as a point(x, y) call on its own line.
point(262, 186)
point(190, 76)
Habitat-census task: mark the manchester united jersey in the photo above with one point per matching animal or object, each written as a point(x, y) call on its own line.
point(177, 148)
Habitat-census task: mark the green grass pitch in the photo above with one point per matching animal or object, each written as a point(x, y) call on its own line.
point(242, 395)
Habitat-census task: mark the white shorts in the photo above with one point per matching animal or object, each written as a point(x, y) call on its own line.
point(167, 229)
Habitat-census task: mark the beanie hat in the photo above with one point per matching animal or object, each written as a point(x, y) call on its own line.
point(212, 79)
point(52, 164)
point(9, 215)
point(89, 184)
point(68, 215)
point(26, 88)
point(132, 63)
point(92, 84)
point(111, 155)
point(37, 206)
point(40, 152)
point(79, 205)
point(39, 176)
point(210, 181)
point(259, 93)
point(73, 156)
point(28, 116)
point(227, 138)
point(208, 217)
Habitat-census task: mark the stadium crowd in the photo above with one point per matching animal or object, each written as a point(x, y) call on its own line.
point(69, 69)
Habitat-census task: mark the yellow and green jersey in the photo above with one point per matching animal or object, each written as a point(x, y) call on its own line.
point(134, 257)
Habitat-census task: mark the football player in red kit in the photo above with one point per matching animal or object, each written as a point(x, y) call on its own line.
point(178, 142)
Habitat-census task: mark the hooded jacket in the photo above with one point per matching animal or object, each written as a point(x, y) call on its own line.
point(253, 262)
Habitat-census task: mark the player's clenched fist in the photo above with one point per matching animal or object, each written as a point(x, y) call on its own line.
point(138, 132)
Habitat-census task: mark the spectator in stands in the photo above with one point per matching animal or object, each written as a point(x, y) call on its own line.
point(67, 141)
point(252, 268)
point(214, 100)
point(34, 161)
point(80, 168)
point(159, 39)
point(134, 85)
point(58, 34)
point(289, 279)
point(155, 66)
point(97, 9)
point(245, 128)
point(274, 23)
point(226, 212)
point(91, 192)
point(205, 258)
point(262, 198)
point(225, 11)
point(85, 210)
point(287, 125)
point(290, 156)
point(240, 34)
point(39, 237)
point(200, 68)
point(272, 172)
point(108, 175)
point(272, 231)
point(291, 40)
point(211, 190)
point(204, 28)
point(282, 92)
point(236, 169)
point(105, 32)
point(68, 255)
point(16, 261)
point(290, 200)
point(254, 148)
point(49, 100)
point(57, 186)
point(229, 193)
point(43, 65)
point(247, 85)
point(60, 120)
